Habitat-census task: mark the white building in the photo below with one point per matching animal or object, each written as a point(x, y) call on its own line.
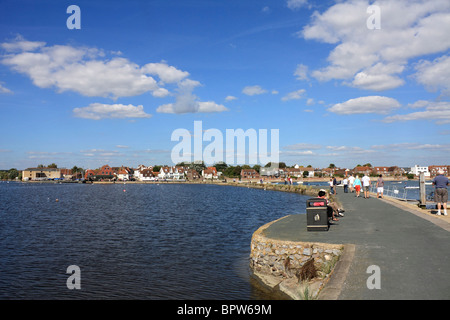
point(416, 170)
point(175, 173)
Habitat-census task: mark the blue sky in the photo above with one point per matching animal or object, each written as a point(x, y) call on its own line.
point(340, 88)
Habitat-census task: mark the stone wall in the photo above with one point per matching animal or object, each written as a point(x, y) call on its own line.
point(278, 264)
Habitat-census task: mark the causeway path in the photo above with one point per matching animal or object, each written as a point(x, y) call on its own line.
point(410, 246)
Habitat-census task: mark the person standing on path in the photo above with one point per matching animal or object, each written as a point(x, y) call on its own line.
point(345, 182)
point(335, 185)
point(351, 180)
point(357, 185)
point(440, 183)
point(366, 185)
point(380, 186)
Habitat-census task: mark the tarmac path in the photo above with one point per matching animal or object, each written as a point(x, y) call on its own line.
point(411, 250)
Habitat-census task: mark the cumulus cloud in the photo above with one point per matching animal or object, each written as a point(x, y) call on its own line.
point(90, 73)
point(375, 59)
point(83, 70)
point(253, 90)
point(295, 95)
point(301, 72)
point(230, 98)
point(435, 75)
point(167, 74)
point(97, 111)
point(437, 111)
point(369, 104)
point(296, 4)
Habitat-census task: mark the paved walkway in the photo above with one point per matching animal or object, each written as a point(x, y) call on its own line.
point(412, 250)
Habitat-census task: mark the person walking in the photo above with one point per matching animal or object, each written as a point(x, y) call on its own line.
point(440, 183)
point(331, 186)
point(335, 185)
point(380, 186)
point(366, 185)
point(345, 182)
point(357, 186)
point(351, 180)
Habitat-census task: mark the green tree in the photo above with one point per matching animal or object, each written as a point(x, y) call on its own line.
point(221, 166)
point(53, 165)
point(13, 173)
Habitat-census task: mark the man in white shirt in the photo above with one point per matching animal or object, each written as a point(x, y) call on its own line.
point(350, 182)
point(366, 185)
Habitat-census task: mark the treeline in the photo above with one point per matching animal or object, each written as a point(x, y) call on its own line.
point(10, 174)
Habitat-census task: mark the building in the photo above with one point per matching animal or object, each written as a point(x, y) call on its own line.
point(416, 170)
point(192, 174)
point(435, 169)
point(172, 173)
point(40, 174)
point(293, 172)
point(124, 173)
point(395, 171)
point(362, 170)
point(249, 174)
point(210, 173)
point(380, 170)
point(147, 175)
point(106, 172)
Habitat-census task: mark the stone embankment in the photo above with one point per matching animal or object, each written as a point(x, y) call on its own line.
point(297, 269)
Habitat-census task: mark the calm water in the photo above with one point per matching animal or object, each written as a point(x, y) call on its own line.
point(147, 242)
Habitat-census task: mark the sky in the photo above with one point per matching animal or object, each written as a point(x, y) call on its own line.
point(343, 82)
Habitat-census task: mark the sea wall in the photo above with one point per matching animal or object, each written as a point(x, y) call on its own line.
point(280, 265)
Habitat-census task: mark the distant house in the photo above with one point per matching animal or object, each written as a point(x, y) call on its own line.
point(416, 170)
point(249, 174)
point(434, 170)
point(362, 170)
point(171, 173)
point(124, 174)
point(105, 172)
point(210, 173)
point(269, 172)
point(293, 172)
point(147, 175)
point(395, 171)
point(380, 170)
point(41, 174)
point(310, 171)
point(192, 174)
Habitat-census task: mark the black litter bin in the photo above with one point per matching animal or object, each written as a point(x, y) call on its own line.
point(317, 215)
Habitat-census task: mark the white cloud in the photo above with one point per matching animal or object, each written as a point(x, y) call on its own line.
point(302, 146)
point(187, 102)
point(296, 4)
point(3, 89)
point(20, 44)
point(253, 90)
point(374, 59)
point(166, 73)
point(369, 104)
point(435, 74)
point(301, 72)
point(295, 95)
point(192, 107)
point(230, 98)
point(97, 111)
point(87, 70)
point(438, 111)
